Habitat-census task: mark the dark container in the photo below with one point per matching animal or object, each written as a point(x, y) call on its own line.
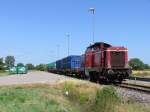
point(59, 64)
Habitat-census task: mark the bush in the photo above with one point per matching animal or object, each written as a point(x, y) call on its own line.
point(106, 100)
point(41, 67)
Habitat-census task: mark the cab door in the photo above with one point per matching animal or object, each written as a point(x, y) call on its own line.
point(88, 58)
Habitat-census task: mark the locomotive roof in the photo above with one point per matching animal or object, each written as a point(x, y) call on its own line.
point(98, 44)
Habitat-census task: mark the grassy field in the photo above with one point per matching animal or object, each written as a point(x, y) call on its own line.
point(141, 73)
point(70, 96)
point(3, 73)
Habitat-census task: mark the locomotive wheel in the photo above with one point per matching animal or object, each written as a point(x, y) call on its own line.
point(93, 77)
point(120, 80)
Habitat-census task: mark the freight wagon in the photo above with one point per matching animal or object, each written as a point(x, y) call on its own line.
point(51, 67)
point(69, 65)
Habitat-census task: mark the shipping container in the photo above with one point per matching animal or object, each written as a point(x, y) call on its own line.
point(13, 70)
point(22, 70)
point(51, 65)
point(70, 62)
point(18, 70)
point(59, 64)
point(74, 62)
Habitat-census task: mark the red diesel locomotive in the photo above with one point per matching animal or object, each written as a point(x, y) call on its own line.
point(103, 62)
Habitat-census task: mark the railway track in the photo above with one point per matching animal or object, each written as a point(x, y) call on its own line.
point(136, 87)
point(139, 79)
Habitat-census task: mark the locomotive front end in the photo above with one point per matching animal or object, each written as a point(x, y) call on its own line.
point(117, 63)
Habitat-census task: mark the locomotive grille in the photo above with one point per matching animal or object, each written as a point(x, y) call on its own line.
point(117, 59)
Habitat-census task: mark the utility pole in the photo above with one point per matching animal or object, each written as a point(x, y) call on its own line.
point(92, 10)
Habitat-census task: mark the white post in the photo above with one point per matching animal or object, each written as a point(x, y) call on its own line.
point(92, 10)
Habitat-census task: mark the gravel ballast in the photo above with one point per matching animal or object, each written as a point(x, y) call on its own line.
point(136, 96)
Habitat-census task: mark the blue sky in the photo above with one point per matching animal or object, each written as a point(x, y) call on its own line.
point(31, 29)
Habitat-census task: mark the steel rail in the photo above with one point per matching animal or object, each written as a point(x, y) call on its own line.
point(140, 79)
point(137, 87)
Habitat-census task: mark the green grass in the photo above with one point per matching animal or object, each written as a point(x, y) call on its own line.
point(141, 73)
point(134, 107)
point(2, 73)
point(81, 96)
point(106, 100)
point(33, 99)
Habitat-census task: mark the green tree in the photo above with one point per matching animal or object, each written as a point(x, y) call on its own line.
point(146, 66)
point(10, 61)
point(41, 67)
point(1, 64)
point(137, 64)
point(20, 64)
point(30, 66)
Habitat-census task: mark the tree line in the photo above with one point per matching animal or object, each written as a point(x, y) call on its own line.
point(9, 61)
point(138, 64)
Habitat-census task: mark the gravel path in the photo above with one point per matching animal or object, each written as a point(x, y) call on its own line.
point(31, 77)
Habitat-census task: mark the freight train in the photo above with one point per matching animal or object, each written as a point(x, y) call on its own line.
point(100, 62)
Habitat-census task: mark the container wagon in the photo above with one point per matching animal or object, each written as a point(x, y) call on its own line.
point(69, 65)
point(51, 67)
